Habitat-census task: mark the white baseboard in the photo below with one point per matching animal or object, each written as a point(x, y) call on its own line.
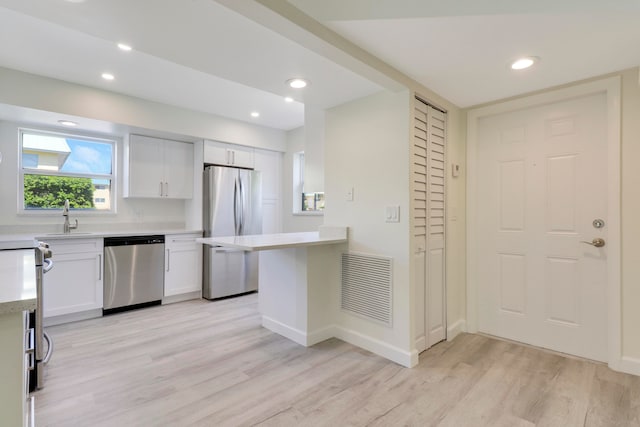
point(421, 343)
point(395, 354)
point(456, 328)
point(182, 297)
point(401, 357)
point(321, 335)
point(286, 331)
point(72, 317)
point(629, 365)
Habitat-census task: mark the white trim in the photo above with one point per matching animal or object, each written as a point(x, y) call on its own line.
point(456, 329)
point(295, 335)
point(308, 213)
point(629, 365)
point(381, 348)
point(170, 299)
point(614, 279)
point(321, 335)
point(611, 87)
point(78, 135)
point(72, 317)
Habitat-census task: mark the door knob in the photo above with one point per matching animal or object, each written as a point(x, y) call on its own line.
point(597, 242)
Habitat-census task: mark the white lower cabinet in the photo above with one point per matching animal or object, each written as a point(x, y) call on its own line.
point(74, 284)
point(183, 266)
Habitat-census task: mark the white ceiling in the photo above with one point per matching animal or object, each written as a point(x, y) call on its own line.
point(194, 54)
point(461, 49)
point(200, 55)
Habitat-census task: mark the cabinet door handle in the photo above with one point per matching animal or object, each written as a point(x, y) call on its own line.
point(99, 266)
point(228, 157)
point(166, 189)
point(161, 189)
point(168, 260)
point(233, 157)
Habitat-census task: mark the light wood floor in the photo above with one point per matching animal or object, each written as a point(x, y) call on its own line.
point(211, 364)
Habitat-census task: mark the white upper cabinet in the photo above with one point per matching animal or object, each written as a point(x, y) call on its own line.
point(178, 171)
point(269, 163)
point(158, 168)
point(220, 153)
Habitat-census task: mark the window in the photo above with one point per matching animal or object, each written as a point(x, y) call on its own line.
point(304, 202)
point(56, 167)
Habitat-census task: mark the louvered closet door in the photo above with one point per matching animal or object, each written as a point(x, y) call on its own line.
point(428, 224)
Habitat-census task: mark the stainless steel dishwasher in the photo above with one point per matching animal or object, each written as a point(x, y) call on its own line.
point(133, 272)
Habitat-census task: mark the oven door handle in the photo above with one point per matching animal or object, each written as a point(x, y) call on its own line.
point(49, 341)
point(47, 264)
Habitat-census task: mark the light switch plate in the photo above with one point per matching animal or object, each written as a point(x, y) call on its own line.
point(392, 213)
point(455, 170)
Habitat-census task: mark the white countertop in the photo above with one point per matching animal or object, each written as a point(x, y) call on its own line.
point(99, 234)
point(17, 280)
point(17, 241)
point(261, 242)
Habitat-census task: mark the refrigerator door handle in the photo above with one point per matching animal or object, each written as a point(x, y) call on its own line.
point(236, 221)
point(241, 225)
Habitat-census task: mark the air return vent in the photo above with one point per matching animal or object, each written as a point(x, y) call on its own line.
point(366, 286)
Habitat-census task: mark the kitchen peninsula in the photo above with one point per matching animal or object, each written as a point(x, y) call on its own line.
point(299, 277)
point(17, 297)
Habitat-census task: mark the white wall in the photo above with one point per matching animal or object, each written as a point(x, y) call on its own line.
point(367, 146)
point(314, 134)
point(299, 222)
point(42, 93)
point(41, 100)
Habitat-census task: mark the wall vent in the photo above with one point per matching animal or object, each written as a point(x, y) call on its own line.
point(367, 286)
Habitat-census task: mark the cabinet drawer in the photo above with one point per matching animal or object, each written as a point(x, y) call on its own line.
point(75, 246)
point(181, 240)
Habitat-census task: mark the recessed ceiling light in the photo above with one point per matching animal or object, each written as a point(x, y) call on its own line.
point(522, 63)
point(124, 46)
point(108, 76)
point(67, 123)
point(288, 99)
point(255, 114)
point(297, 83)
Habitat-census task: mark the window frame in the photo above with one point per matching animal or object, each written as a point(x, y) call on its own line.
point(84, 136)
point(298, 187)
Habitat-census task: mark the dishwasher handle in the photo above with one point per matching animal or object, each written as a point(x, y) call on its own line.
point(133, 240)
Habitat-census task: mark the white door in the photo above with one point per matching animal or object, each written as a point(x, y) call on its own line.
point(542, 181)
point(428, 190)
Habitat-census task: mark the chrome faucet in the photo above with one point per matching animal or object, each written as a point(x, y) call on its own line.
point(65, 213)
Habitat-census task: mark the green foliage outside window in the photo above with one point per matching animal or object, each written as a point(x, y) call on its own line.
point(50, 192)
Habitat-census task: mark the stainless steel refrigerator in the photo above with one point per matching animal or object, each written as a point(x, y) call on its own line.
point(232, 207)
